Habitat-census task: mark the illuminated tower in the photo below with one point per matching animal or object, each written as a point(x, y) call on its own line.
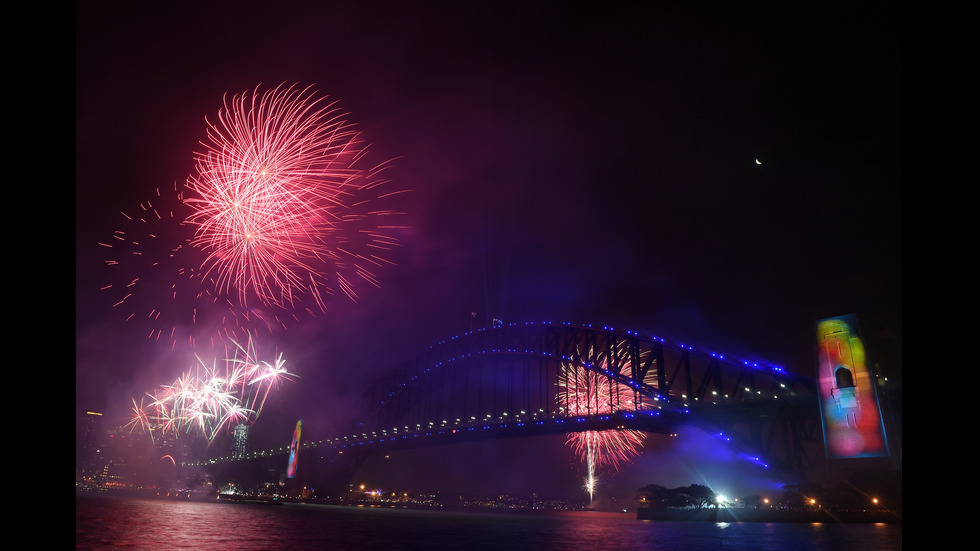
point(239, 441)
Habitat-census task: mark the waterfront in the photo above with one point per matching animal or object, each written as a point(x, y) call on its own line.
point(103, 522)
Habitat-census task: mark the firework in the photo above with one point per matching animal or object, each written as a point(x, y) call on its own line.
point(277, 196)
point(208, 400)
point(589, 392)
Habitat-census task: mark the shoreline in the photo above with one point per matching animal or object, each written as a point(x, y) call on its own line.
point(768, 515)
point(668, 515)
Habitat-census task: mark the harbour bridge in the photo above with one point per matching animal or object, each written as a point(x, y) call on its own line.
point(541, 379)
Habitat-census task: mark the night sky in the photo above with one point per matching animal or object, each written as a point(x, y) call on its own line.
point(583, 165)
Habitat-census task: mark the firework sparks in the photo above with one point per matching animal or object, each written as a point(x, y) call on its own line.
point(213, 400)
point(274, 200)
point(145, 260)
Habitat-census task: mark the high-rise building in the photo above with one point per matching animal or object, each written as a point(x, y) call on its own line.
point(88, 444)
point(239, 442)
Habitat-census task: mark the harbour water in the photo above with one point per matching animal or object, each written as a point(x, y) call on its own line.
point(106, 522)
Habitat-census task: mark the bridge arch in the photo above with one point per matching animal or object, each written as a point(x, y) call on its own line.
point(507, 381)
point(514, 376)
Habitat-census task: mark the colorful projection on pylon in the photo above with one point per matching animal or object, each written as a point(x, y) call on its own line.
point(294, 451)
point(851, 417)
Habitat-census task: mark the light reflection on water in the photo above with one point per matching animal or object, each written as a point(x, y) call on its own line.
point(125, 523)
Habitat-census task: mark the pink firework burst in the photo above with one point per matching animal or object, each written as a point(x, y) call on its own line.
point(278, 193)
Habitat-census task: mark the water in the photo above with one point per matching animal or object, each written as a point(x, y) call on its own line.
point(132, 523)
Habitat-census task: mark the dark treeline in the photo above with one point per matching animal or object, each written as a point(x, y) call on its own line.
point(860, 491)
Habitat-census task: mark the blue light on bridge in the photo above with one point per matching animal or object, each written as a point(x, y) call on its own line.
point(756, 460)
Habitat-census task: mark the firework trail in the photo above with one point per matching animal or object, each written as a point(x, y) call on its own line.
point(253, 378)
point(278, 201)
point(140, 419)
point(586, 392)
point(147, 264)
